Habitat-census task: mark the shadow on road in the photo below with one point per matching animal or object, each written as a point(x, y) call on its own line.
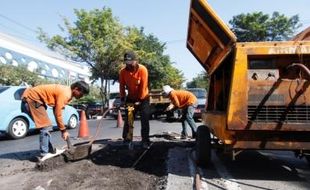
point(253, 165)
point(23, 155)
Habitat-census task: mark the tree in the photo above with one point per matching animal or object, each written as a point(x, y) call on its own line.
point(11, 75)
point(151, 54)
point(97, 39)
point(92, 97)
point(261, 27)
point(200, 81)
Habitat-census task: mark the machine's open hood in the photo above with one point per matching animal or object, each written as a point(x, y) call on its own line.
point(209, 38)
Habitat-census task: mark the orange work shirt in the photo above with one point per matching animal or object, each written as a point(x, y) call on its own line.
point(182, 98)
point(54, 95)
point(136, 82)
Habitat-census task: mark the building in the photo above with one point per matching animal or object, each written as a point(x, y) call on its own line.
point(46, 64)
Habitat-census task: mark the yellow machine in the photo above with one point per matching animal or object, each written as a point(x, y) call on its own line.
point(259, 96)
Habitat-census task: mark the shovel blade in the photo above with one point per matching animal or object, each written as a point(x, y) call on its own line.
point(78, 152)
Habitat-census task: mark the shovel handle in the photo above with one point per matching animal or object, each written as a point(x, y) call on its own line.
point(69, 143)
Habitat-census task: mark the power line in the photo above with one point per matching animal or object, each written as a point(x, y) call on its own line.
point(17, 23)
point(18, 33)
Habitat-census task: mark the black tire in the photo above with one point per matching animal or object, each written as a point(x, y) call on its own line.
point(18, 128)
point(72, 122)
point(155, 116)
point(308, 159)
point(203, 146)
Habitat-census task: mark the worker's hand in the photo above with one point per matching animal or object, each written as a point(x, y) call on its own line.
point(169, 108)
point(65, 134)
point(137, 103)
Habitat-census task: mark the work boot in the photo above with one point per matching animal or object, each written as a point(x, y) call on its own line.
point(51, 149)
point(126, 141)
point(184, 137)
point(146, 144)
point(39, 158)
point(194, 136)
point(43, 157)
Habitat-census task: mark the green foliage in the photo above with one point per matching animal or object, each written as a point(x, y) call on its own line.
point(99, 40)
point(11, 75)
point(96, 38)
point(151, 54)
point(200, 81)
point(261, 27)
point(92, 97)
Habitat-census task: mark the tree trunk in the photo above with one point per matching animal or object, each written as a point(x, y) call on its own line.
point(102, 90)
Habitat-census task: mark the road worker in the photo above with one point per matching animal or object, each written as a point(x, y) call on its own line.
point(134, 78)
point(185, 100)
point(35, 101)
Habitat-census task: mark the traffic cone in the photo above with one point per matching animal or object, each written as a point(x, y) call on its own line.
point(119, 119)
point(83, 131)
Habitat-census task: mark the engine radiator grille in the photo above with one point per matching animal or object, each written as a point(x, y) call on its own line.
point(293, 114)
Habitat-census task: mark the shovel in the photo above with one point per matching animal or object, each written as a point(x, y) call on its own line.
point(82, 150)
point(78, 151)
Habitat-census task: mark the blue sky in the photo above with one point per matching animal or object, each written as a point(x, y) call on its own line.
point(166, 19)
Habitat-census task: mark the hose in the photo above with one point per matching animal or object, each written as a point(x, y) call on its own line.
point(97, 127)
point(302, 67)
point(197, 179)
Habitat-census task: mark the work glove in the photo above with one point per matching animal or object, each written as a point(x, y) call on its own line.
point(137, 103)
point(169, 108)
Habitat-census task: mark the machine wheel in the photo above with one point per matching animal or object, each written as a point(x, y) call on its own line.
point(203, 146)
point(18, 128)
point(73, 122)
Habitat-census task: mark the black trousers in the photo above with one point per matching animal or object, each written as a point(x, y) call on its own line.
point(144, 109)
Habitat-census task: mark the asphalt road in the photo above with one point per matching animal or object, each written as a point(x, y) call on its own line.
point(107, 130)
point(252, 170)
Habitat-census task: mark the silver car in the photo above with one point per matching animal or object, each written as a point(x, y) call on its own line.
point(201, 95)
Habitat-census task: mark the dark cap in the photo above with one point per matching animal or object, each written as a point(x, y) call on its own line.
point(129, 56)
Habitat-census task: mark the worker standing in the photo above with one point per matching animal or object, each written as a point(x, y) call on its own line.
point(187, 101)
point(35, 101)
point(134, 78)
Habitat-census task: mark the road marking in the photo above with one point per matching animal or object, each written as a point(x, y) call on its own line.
point(228, 180)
